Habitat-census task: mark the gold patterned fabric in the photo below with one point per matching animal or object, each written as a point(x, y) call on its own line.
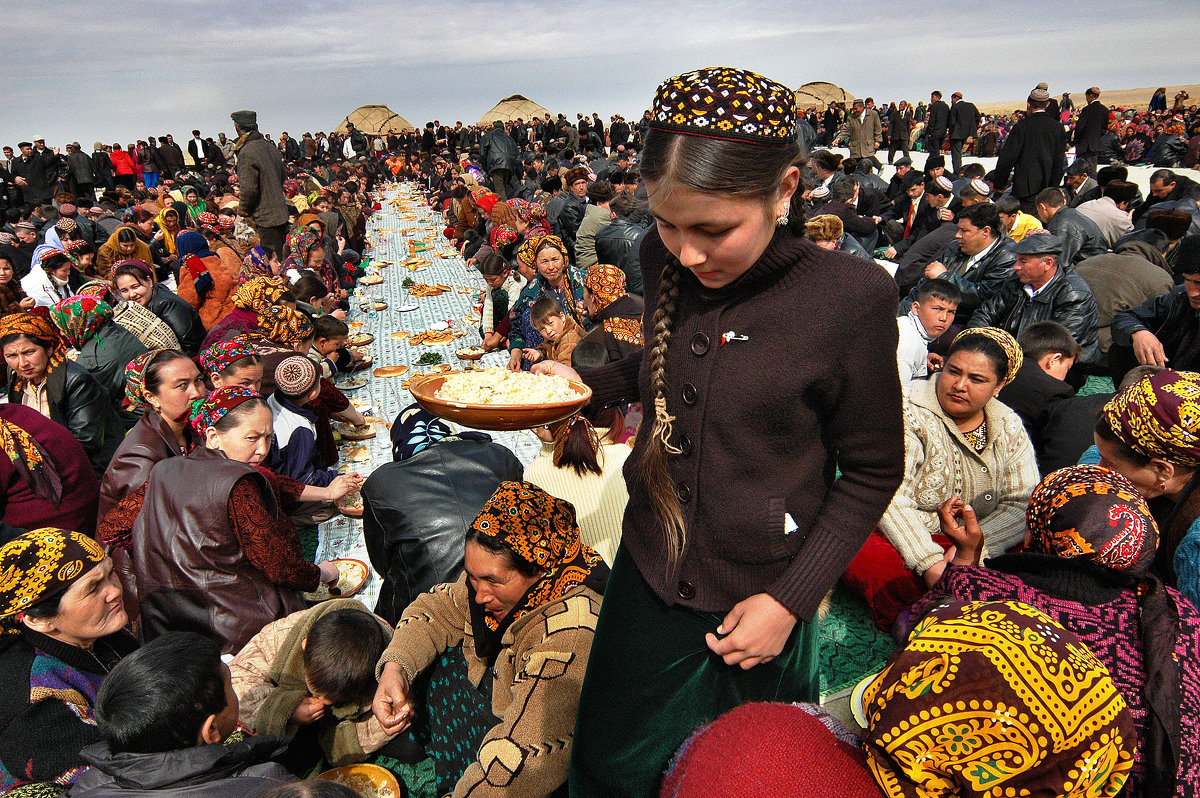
point(994, 699)
point(284, 325)
point(1012, 350)
point(31, 461)
point(39, 326)
point(1159, 416)
point(258, 293)
point(42, 564)
point(728, 104)
point(606, 283)
point(541, 530)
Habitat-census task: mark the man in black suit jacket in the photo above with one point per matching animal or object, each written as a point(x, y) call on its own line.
point(922, 214)
point(937, 119)
point(196, 149)
point(1034, 153)
point(964, 123)
point(1090, 127)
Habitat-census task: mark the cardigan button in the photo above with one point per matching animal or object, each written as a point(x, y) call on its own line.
point(983, 469)
point(686, 589)
point(699, 344)
point(987, 497)
point(683, 493)
point(690, 394)
point(685, 445)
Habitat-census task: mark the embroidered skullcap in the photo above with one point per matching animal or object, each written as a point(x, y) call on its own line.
point(501, 236)
point(943, 184)
point(820, 192)
point(210, 410)
point(992, 699)
point(66, 225)
point(7, 238)
point(606, 283)
point(1159, 416)
point(67, 209)
point(135, 380)
point(40, 565)
point(208, 221)
point(824, 227)
point(79, 318)
point(295, 376)
point(727, 104)
point(1012, 350)
point(52, 253)
point(220, 356)
point(1092, 512)
point(73, 245)
point(981, 187)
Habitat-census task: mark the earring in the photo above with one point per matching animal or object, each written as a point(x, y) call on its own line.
point(782, 219)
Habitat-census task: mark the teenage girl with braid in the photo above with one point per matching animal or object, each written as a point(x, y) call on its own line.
point(770, 364)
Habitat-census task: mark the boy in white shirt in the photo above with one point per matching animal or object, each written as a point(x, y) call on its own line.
point(930, 316)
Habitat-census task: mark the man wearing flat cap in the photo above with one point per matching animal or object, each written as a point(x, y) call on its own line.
point(1042, 289)
point(260, 175)
point(1034, 153)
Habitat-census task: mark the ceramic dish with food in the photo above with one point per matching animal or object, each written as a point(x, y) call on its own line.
point(352, 384)
point(352, 575)
point(498, 399)
point(369, 781)
point(470, 353)
point(359, 339)
point(350, 432)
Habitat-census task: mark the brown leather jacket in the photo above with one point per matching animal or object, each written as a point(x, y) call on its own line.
point(191, 572)
point(150, 441)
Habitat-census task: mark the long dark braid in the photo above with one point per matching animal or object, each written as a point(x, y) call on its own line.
point(653, 460)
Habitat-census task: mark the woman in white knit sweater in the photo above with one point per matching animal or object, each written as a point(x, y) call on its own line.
point(959, 441)
point(581, 463)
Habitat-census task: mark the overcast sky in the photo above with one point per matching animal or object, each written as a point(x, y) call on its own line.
point(115, 70)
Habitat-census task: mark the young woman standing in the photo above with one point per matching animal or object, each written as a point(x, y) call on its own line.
point(769, 365)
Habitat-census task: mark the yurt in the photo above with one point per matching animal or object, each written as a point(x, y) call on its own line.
point(513, 108)
point(375, 120)
point(822, 93)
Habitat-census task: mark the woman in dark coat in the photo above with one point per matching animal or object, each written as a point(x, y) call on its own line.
point(135, 281)
point(44, 473)
point(41, 377)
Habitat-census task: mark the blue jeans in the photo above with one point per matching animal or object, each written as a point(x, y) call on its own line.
point(150, 179)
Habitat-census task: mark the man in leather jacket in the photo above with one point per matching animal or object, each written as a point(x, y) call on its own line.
point(618, 243)
point(979, 260)
point(1081, 238)
point(1042, 289)
point(1162, 331)
point(416, 510)
point(498, 152)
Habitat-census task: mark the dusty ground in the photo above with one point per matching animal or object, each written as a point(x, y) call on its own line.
point(1125, 98)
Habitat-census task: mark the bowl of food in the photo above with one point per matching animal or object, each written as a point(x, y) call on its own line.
point(499, 399)
point(470, 353)
point(350, 505)
point(350, 432)
point(352, 575)
point(369, 781)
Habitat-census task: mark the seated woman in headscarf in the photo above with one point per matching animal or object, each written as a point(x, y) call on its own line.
point(43, 378)
point(44, 473)
point(993, 699)
point(153, 332)
point(250, 300)
point(1090, 545)
point(554, 279)
point(1150, 433)
point(959, 440)
point(617, 316)
point(194, 202)
point(163, 247)
point(522, 617)
point(105, 348)
point(62, 616)
point(210, 548)
point(123, 244)
point(206, 280)
point(305, 249)
point(260, 262)
point(134, 279)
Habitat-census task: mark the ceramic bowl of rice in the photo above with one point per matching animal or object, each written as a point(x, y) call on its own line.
point(369, 781)
point(499, 399)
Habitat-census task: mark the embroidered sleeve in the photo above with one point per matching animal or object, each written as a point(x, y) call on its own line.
point(114, 529)
point(270, 543)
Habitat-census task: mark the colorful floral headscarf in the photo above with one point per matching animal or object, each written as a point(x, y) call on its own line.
point(1091, 512)
point(258, 293)
point(286, 326)
point(299, 244)
point(501, 236)
point(525, 252)
point(209, 221)
point(606, 283)
point(557, 243)
point(35, 325)
point(208, 411)
point(1159, 416)
point(40, 565)
point(135, 380)
point(220, 356)
point(484, 199)
point(100, 289)
point(995, 698)
point(541, 530)
point(255, 264)
point(1012, 350)
point(79, 318)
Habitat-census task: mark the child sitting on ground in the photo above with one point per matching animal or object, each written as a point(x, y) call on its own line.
point(329, 350)
point(168, 714)
point(294, 452)
point(931, 315)
point(561, 332)
point(504, 287)
point(310, 678)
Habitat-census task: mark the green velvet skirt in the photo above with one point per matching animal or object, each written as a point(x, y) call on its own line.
point(651, 681)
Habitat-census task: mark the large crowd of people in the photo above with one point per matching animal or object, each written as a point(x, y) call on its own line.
point(801, 372)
